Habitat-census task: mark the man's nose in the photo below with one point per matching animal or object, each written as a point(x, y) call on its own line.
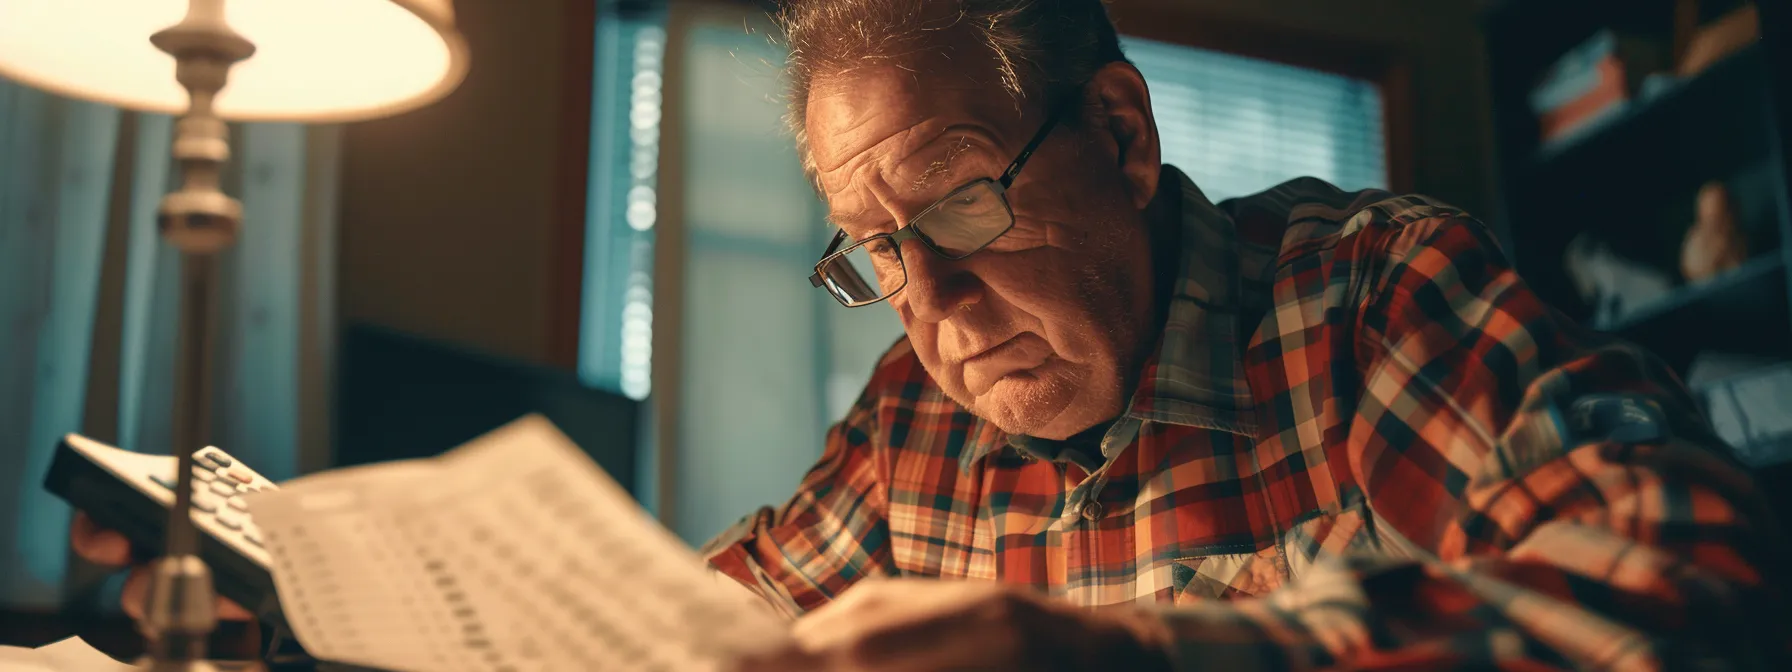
point(937, 286)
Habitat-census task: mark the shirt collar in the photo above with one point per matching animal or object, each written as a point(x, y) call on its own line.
point(1196, 377)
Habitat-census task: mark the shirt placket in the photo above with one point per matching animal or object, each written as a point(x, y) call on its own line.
point(1082, 514)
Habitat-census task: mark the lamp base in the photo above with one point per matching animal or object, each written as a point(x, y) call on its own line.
point(178, 616)
point(150, 664)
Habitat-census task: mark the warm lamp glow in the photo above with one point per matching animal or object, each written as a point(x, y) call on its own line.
point(315, 60)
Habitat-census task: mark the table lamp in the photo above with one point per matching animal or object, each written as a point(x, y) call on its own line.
point(300, 61)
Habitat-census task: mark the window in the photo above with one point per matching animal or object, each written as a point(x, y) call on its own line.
point(616, 330)
point(1240, 125)
point(768, 363)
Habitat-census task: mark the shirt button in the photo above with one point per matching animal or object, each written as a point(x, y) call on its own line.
point(1092, 511)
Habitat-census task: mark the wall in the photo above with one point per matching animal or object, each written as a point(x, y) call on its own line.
point(453, 217)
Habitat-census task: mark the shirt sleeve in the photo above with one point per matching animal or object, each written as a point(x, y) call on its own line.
point(1545, 497)
point(830, 534)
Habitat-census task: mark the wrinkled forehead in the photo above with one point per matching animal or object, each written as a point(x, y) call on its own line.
point(889, 118)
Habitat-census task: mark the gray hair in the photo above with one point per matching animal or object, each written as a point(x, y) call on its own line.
point(1048, 47)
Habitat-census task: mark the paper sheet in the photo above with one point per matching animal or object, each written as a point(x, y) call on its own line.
point(21, 659)
point(76, 655)
point(514, 552)
point(68, 655)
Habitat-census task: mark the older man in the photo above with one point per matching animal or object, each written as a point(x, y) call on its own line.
point(1303, 429)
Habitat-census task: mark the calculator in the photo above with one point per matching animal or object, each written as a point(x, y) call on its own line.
point(132, 493)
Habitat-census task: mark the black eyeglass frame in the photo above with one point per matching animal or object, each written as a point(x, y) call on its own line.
point(896, 238)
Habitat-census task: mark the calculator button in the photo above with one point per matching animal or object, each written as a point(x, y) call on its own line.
point(203, 475)
point(252, 535)
point(220, 458)
point(163, 481)
point(205, 501)
point(230, 520)
point(238, 503)
point(205, 460)
point(241, 474)
point(223, 489)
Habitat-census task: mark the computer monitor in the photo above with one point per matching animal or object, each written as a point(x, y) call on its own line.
point(401, 396)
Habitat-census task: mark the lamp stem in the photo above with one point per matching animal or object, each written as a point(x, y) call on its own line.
point(193, 383)
point(201, 221)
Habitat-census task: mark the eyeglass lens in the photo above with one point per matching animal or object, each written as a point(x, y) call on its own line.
point(860, 274)
point(964, 222)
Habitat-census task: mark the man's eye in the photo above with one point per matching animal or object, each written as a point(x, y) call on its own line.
point(969, 200)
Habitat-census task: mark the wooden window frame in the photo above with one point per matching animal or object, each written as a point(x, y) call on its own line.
point(572, 197)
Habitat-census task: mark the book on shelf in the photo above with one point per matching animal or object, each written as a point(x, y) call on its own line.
point(1595, 81)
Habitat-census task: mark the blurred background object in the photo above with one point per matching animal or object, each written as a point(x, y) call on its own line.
point(607, 220)
point(1709, 41)
point(1713, 243)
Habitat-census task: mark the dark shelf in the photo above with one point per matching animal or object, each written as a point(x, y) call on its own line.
point(1534, 33)
point(1743, 311)
point(1703, 128)
point(1559, 11)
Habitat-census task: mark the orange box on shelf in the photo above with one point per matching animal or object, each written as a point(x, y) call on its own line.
point(1605, 95)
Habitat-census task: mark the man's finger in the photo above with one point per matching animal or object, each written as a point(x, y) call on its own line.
point(136, 591)
point(98, 545)
point(954, 640)
point(872, 604)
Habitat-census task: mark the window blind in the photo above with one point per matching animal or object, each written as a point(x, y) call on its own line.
point(1239, 125)
point(616, 315)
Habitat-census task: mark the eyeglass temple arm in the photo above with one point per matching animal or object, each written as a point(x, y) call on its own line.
point(839, 237)
point(1032, 145)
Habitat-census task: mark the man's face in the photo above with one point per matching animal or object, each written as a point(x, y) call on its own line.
point(1039, 331)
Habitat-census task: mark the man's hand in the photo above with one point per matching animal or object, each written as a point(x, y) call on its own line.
point(105, 547)
point(917, 625)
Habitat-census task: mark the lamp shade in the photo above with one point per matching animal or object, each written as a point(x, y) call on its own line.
point(314, 61)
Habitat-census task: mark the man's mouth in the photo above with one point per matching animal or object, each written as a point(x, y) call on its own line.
point(1020, 353)
point(995, 350)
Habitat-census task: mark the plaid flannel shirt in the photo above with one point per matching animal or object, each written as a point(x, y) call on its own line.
point(1361, 443)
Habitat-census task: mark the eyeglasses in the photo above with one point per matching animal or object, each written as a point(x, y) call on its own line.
point(967, 220)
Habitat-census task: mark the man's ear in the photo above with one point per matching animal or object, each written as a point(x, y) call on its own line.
point(1126, 107)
